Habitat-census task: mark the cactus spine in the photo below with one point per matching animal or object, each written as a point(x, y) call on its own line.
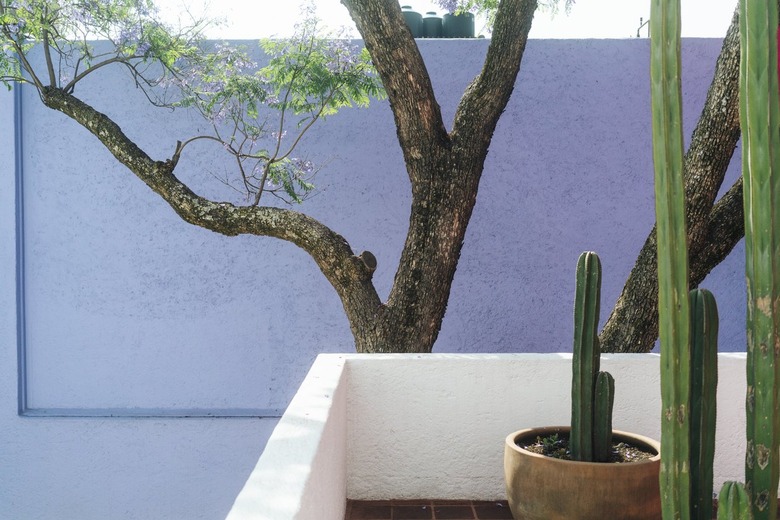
point(673, 304)
point(759, 120)
point(704, 384)
point(585, 411)
point(733, 502)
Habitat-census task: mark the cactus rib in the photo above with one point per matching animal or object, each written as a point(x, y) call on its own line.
point(733, 502)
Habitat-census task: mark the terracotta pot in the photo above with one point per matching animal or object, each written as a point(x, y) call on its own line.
point(546, 488)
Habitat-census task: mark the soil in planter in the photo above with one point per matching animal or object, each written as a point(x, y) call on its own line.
point(557, 445)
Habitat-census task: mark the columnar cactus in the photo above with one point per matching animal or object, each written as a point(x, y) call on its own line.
point(760, 123)
point(733, 502)
point(759, 120)
point(671, 233)
point(704, 384)
point(586, 413)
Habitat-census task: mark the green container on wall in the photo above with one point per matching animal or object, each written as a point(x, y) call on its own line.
point(432, 25)
point(414, 20)
point(458, 25)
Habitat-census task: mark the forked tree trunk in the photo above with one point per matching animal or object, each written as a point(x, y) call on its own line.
point(444, 168)
point(713, 228)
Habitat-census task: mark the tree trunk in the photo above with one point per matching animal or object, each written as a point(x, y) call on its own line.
point(444, 169)
point(713, 229)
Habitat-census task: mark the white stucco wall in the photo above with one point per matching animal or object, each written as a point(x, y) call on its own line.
point(434, 425)
point(302, 474)
point(406, 426)
point(129, 310)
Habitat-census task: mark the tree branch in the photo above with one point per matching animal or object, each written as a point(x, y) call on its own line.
point(398, 61)
point(47, 50)
point(117, 59)
point(633, 324)
point(487, 97)
point(24, 64)
point(349, 274)
point(725, 228)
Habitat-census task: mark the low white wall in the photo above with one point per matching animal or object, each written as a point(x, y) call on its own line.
point(303, 470)
point(397, 426)
point(434, 425)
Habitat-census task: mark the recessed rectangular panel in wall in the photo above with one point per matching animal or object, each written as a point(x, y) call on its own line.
point(129, 310)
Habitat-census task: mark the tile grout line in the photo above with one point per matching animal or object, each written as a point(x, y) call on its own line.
point(393, 508)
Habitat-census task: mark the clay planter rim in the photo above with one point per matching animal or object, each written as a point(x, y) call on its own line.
point(635, 439)
point(547, 488)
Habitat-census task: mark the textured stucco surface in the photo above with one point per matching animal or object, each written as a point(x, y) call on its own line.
point(302, 473)
point(105, 468)
point(434, 426)
point(129, 307)
point(175, 316)
point(405, 426)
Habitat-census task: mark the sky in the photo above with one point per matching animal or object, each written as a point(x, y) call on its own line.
point(251, 19)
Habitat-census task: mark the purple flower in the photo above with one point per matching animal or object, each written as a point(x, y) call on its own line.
point(143, 47)
point(16, 28)
point(129, 34)
point(449, 5)
point(303, 166)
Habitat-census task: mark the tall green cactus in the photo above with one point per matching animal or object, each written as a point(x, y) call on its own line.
point(683, 408)
point(704, 384)
point(586, 413)
point(671, 233)
point(733, 502)
point(759, 120)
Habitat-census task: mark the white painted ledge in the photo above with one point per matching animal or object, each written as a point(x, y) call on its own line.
point(432, 426)
point(302, 471)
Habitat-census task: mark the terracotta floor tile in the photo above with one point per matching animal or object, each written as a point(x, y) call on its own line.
point(492, 510)
point(453, 512)
point(368, 511)
point(435, 509)
point(410, 512)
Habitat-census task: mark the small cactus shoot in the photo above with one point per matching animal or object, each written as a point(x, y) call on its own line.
point(604, 399)
point(586, 413)
point(704, 384)
point(733, 502)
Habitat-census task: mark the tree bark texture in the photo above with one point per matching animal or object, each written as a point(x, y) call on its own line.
point(350, 275)
point(713, 228)
point(444, 170)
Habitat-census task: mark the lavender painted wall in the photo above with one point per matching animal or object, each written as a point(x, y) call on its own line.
point(128, 307)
